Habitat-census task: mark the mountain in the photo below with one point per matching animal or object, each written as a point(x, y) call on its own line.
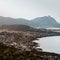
point(46, 21)
point(11, 21)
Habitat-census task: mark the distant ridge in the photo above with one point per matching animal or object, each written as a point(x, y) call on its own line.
point(46, 21)
point(15, 28)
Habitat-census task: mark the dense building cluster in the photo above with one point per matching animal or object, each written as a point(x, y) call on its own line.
point(18, 39)
point(18, 45)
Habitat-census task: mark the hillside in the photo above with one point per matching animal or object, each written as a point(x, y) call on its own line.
point(46, 21)
point(15, 27)
point(18, 39)
point(12, 53)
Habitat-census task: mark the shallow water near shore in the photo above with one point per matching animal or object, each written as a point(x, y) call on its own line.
point(49, 44)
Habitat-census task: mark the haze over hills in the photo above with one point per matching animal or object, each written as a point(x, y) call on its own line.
point(46, 21)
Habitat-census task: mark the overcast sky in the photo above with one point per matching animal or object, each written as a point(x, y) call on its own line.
point(30, 9)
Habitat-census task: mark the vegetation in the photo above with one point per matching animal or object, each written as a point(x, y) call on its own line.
point(12, 53)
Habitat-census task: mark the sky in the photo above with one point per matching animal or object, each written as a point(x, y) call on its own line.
point(30, 9)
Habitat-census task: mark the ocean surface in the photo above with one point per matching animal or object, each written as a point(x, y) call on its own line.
point(49, 44)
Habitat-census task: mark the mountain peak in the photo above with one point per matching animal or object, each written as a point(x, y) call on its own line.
point(46, 21)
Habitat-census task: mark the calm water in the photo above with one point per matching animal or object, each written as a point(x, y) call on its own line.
point(50, 44)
